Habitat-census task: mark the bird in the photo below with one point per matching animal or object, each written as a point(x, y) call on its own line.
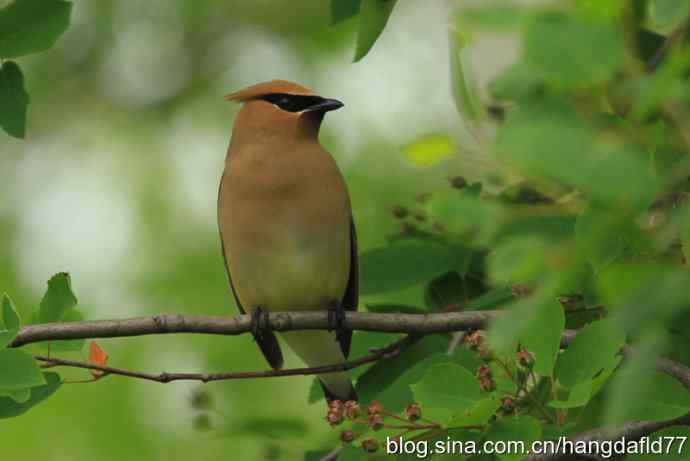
point(286, 227)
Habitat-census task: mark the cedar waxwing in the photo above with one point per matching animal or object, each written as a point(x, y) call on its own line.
point(286, 227)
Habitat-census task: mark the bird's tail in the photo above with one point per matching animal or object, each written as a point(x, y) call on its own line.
point(318, 348)
point(330, 396)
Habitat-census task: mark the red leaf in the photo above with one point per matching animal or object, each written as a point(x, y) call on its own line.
point(97, 356)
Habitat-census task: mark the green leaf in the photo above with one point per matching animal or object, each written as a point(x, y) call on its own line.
point(466, 215)
point(520, 428)
point(453, 288)
point(640, 393)
point(649, 395)
point(493, 298)
point(600, 9)
point(10, 408)
point(628, 288)
point(402, 264)
point(362, 344)
point(315, 392)
point(462, 80)
point(10, 317)
point(373, 16)
point(429, 150)
point(317, 455)
point(499, 16)
point(592, 350)
point(14, 100)
point(550, 139)
point(477, 414)
point(516, 82)
point(18, 370)
point(30, 26)
point(597, 238)
point(537, 322)
point(542, 337)
point(342, 10)
point(572, 52)
point(521, 258)
point(585, 391)
point(389, 381)
point(19, 395)
point(668, 14)
point(9, 322)
point(505, 331)
point(57, 299)
point(447, 386)
point(578, 397)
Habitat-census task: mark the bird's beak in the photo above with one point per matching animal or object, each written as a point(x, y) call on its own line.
point(324, 105)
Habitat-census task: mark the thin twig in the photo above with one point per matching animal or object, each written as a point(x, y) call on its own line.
point(390, 351)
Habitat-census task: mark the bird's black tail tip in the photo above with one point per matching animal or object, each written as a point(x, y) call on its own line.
point(330, 396)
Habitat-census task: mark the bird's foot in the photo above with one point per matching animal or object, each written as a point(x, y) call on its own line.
point(259, 319)
point(336, 319)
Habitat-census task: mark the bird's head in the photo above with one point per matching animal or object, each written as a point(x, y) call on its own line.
point(280, 108)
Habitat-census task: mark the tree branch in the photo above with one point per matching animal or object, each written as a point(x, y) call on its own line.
point(392, 350)
point(442, 322)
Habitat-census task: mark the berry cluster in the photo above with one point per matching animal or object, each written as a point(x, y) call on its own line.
point(374, 418)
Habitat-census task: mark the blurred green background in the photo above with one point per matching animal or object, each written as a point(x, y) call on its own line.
point(116, 183)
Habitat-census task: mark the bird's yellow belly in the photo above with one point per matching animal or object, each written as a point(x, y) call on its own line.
point(292, 271)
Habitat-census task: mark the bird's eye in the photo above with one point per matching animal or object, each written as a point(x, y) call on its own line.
point(286, 103)
point(283, 101)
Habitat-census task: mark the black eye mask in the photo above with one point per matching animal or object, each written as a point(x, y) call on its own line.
point(293, 102)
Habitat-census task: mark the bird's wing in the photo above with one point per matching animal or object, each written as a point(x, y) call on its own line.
point(351, 298)
point(268, 343)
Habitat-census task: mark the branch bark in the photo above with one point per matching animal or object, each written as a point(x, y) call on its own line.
point(443, 322)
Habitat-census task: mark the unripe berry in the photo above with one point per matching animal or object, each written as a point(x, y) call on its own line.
point(370, 445)
point(336, 405)
point(376, 422)
point(413, 412)
point(374, 408)
point(347, 436)
point(334, 417)
point(508, 403)
point(351, 409)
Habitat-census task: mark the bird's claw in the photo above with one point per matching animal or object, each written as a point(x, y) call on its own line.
point(259, 319)
point(336, 320)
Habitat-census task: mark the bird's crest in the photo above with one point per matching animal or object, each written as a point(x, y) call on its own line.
point(273, 86)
